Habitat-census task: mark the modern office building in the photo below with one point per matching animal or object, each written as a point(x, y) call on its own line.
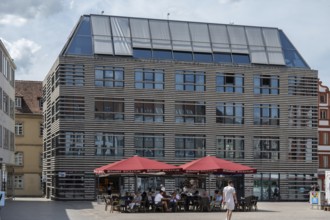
point(28, 138)
point(7, 123)
point(324, 133)
point(176, 91)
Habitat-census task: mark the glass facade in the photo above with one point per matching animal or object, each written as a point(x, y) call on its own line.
point(190, 81)
point(149, 110)
point(149, 79)
point(230, 113)
point(266, 114)
point(149, 145)
point(107, 76)
point(266, 84)
point(230, 147)
point(266, 148)
point(109, 144)
point(230, 82)
point(190, 112)
point(189, 146)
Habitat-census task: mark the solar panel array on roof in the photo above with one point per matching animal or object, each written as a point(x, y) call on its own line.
point(110, 35)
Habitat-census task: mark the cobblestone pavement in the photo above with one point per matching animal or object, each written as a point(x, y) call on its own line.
point(43, 209)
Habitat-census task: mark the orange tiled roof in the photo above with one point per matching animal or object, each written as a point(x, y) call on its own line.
point(31, 93)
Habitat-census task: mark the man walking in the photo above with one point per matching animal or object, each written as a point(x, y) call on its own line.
point(229, 198)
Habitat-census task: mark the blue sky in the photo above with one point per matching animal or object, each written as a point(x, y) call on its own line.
point(34, 31)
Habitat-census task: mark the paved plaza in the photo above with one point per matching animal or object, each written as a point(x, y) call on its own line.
point(43, 209)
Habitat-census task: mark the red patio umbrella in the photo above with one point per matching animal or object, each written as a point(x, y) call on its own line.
point(212, 164)
point(137, 164)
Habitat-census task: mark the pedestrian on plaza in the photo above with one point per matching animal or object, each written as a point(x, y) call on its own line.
point(109, 189)
point(229, 199)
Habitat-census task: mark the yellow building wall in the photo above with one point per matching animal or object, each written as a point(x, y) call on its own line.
point(30, 143)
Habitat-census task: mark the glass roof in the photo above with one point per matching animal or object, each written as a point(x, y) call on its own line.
point(112, 35)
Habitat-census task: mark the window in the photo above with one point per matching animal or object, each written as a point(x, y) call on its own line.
point(230, 147)
point(222, 57)
point(189, 112)
point(266, 114)
point(107, 76)
point(40, 102)
point(189, 146)
point(71, 144)
point(1, 137)
point(6, 138)
point(230, 113)
point(162, 54)
point(182, 56)
point(265, 84)
point(109, 109)
point(149, 145)
point(5, 103)
point(70, 107)
point(323, 99)
point(323, 114)
point(109, 144)
point(266, 148)
point(325, 161)
point(324, 139)
point(230, 82)
point(142, 53)
point(41, 159)
point(18, 128)
point(303, 86)
point(18, 102)
point(303, 116)
point(241, 58)
point(18, 182)
point(203, 57)
point(189, 81)
point(0, 94)
point(302, 148)
point(19, 159)
point(149, 110)
point(71, 75)
point(41, 129)
point(149, 79)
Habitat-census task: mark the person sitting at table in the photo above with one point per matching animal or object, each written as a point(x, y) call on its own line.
point(217, 199)
point(135, 202)
point(161, 200)
point(175, 197)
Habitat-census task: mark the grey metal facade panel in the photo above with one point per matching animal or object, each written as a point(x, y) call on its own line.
point(254, 36)
point(101, 25)
point(237, 35)
point(160, 35)
point(103, 45)
point(258, 55)
point(200, 37)
point(121, 36)
point(219, 34)
point(275, 57)
point(271, 37)
point(140, 33)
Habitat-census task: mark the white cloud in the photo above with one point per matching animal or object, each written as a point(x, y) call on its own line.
point(12, 20)
point(30, 9)
point(23, 52)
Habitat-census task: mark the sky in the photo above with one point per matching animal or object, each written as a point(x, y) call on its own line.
point(35, 31)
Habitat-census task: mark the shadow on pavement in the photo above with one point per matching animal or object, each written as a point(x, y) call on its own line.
point(42, 209)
